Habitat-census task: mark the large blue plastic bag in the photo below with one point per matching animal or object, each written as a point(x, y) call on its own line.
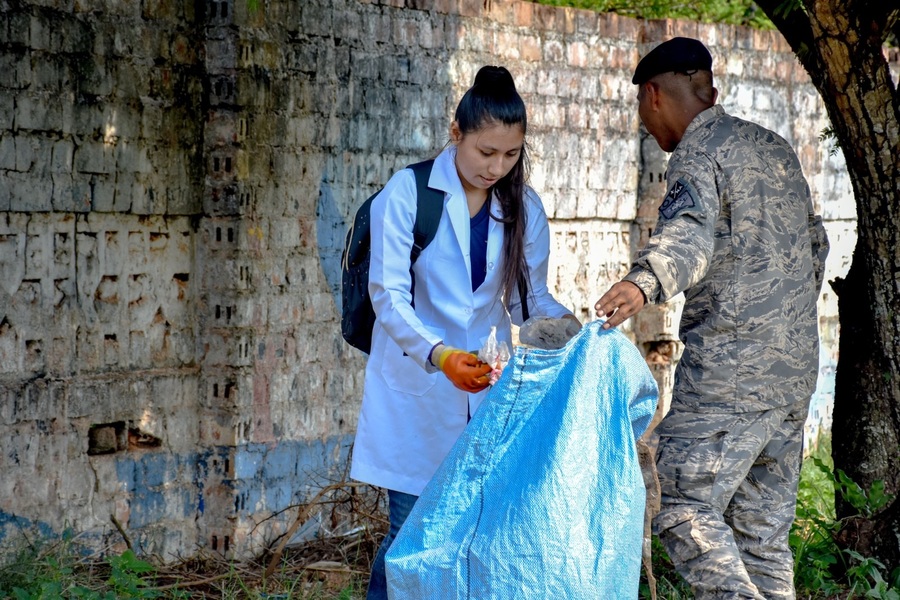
point(542, 496)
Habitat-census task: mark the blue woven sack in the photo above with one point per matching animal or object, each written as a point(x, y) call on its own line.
point(542, 496)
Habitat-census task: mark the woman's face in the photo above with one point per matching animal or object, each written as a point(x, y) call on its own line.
point(485, 156)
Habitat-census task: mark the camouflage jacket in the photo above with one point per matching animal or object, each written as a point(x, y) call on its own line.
point(737, 234)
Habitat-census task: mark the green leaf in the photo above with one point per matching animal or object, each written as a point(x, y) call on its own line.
point(128, 561)
point(878, 499)
point(787, 7)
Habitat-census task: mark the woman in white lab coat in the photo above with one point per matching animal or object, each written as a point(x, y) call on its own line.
point(421, 386)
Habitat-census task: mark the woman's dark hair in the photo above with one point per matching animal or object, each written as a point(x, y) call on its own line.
point(493, 99)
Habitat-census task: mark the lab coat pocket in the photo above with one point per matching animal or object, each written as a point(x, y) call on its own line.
point(402, 374)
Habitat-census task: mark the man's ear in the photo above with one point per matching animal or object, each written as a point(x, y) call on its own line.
point(715, 94)
point(653, 94)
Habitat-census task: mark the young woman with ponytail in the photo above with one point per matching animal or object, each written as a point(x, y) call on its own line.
point(422, 381)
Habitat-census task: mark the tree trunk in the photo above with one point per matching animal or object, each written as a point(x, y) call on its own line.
point(840, 44)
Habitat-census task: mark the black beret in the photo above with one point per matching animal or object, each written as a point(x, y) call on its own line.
point(678, 55)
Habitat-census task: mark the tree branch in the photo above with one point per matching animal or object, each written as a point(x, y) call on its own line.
point(886, 14)
point(791, 19)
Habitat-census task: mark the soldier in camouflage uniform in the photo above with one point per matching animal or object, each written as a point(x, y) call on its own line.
point(737, 234)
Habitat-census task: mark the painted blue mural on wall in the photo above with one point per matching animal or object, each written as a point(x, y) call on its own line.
point(12, 525)
point(165, 488)
point(331, 231)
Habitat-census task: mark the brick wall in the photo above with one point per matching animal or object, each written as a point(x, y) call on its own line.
point(176, 179)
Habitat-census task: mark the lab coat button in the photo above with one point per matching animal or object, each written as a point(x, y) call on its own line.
point(490, 265)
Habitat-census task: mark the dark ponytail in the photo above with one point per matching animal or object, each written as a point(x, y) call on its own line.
point(493, 99)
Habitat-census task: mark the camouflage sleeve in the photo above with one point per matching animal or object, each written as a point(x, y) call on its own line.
point(820, 247)
point(678, 253)
point(646, 281)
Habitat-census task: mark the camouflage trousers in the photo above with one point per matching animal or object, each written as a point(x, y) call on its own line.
point(728, 487)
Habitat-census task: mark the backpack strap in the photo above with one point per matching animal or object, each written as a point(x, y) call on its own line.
point(429, 208)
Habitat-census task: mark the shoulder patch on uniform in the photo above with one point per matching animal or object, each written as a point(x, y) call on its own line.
point(680, 196)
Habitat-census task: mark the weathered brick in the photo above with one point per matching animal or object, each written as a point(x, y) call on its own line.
point(329, 98)
point(94, 158)
point(102, 192)
point(316, 19)
point(66, 196)
point(27, 194)
point(4, 194)
point(8, 152)
point(62, 152)
point(445, 6)
point(553, 51)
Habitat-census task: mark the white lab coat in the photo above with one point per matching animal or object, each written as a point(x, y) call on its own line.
point(411, 413)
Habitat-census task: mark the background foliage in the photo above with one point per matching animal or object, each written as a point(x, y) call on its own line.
point(732, 12)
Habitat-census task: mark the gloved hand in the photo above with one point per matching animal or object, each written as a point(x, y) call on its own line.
point(463, 369)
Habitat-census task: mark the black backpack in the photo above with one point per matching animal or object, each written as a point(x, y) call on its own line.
point(357, 315)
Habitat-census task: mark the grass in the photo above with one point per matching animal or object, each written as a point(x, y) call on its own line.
point(337, 568)
point(60, 570)
point(333, 567)
point(822, 570)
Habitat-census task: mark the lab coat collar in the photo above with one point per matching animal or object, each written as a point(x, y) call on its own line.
point(445, 177)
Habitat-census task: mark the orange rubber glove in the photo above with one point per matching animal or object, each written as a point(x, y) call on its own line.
point(464, 369)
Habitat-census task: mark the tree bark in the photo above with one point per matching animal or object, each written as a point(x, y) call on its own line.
point(840, 43)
